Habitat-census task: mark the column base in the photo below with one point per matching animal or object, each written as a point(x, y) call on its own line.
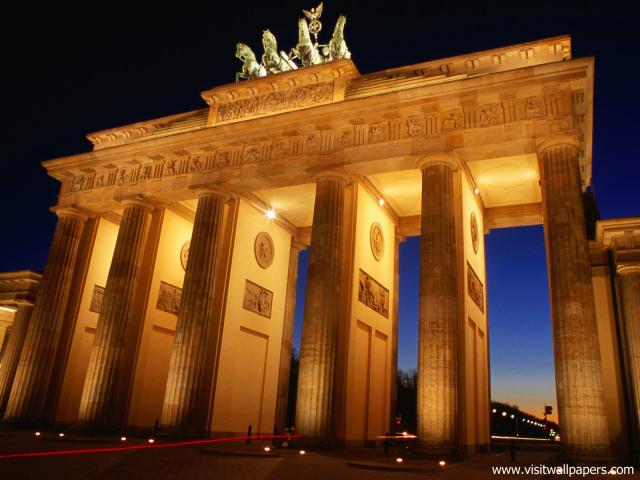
point(439, 452)
point(583, 457)
point(24, 423)
point(315, 443)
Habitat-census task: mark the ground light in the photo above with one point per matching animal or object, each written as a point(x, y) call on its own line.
point(151, 440)
point(61, 434)
point(123, 439)
point(399, 460)
point(37, 434)
point(303, 452)
point(267, 449)
point(442, 463)
point(129, 448)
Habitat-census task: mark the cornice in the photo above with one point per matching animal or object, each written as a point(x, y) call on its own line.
point(610, 230)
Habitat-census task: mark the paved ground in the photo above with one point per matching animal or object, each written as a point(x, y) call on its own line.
point(227, 461)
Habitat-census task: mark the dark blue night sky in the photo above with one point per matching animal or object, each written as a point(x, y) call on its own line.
point(71, 71)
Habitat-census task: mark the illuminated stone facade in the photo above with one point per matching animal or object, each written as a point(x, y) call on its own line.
point(351, 165)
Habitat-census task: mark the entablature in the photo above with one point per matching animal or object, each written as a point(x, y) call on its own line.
point(488, 116)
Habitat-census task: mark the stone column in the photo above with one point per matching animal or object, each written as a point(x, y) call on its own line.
point(575, 334)
point(438, 313)
point(11, 354)
point(282, 399)
point(184, 399)
point(5, 342)
point(629, 282)
point(314, 415)
point(98, 409)
point(31, 381)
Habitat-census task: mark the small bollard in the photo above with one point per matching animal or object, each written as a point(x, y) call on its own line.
point(273, 440)
point(249, 435)
point(386, 443)
point(155, 426)
point(513, 451)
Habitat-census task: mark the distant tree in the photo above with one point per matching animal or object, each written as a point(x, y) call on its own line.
point(293, 387)
point(407, 398)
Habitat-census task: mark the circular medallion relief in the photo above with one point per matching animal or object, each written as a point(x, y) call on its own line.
point(376, 238)
point(474, 232)
point(184, 254)
point(263, 248)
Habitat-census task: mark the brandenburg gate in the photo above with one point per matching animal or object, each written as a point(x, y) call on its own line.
point(169, 293)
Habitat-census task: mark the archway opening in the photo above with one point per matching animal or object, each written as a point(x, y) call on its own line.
point(520, 334)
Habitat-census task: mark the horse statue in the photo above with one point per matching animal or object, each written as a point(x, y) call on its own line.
point(273, 61)
point(250, 66)
point(305, 50)
point(337, 46)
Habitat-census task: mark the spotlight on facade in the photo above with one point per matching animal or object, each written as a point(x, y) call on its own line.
point(381, 202)
point(442, 463)
point(123, 439)
point(267, 449)
point(271, 214)
point(303, 452)
point(399, 460)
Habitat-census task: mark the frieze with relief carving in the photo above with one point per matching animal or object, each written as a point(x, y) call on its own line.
point(373, 294)
point(96, 299)
point(169, 298)
point(257, 299)
point(300, 97)
point(475, 289)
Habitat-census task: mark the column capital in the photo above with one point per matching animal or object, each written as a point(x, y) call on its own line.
point(438, 159)
point(222, 194)
point(138, 201)
point(70, 211)
point(212, 190)
point(628, 269)
point(335, 174)
point(297, 244)
point(545, 144)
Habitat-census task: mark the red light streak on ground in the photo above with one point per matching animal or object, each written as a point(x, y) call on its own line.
point(143, 447)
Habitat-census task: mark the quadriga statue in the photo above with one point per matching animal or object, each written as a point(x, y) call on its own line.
point(250, 66)
point(307, 51)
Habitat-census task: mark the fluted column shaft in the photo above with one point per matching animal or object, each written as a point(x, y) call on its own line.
point(11, 354)
point(282, 398)
point(98, 407)
point(321, 312)
point(184, 394)
point(438, 314)
point(575, 334)
point(629, 282)
point(33, 375)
